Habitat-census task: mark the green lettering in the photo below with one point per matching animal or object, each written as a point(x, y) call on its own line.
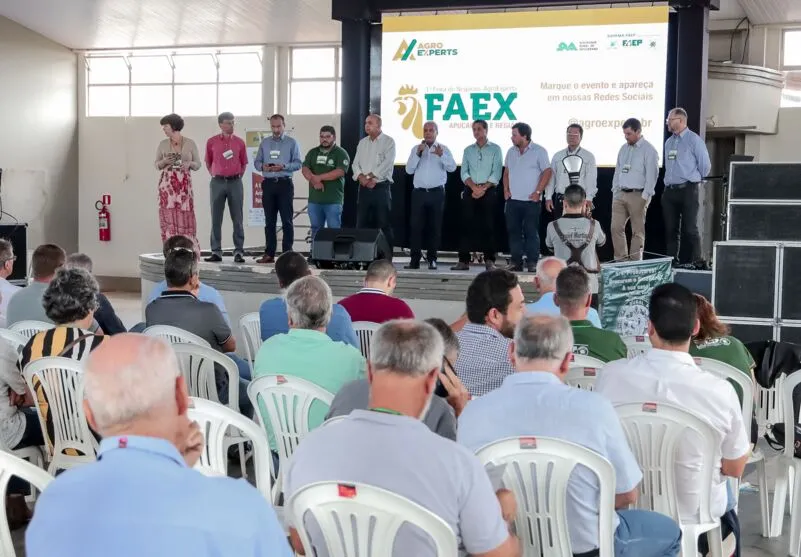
point(504, 106)
point(455, 108)
point(433, 104)
point(480, 102)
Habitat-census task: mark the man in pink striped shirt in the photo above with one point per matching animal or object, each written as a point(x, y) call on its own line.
point(226, 161)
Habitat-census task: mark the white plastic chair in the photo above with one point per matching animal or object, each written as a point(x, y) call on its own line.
point(250, 325)
point(654, 432)
point(789, 475)
point(174, 335)
point(747, 386)
point(28, 329)
point(769, 406)
point(358, 519)
point(10, 466)
point(364, 330)
point(637, 345)
point(583, 371)
point(215, 420)
point(14, 338)
point(62, 382)
point(287, 401)
point(537, 470)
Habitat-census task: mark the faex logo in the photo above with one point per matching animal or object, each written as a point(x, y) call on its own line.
point(478, 105)
point(632, 42)
point(408, 50)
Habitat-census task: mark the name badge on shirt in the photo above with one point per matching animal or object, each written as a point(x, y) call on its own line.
point(672, 155)
point(229, 154)
point(322, 159)
point(626, 168)
point(275, 154)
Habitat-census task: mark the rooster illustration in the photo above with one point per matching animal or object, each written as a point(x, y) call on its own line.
point(409, 106)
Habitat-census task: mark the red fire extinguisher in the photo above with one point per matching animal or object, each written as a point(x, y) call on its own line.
point(103, 222)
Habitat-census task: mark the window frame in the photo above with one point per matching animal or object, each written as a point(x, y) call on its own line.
point(785, 32)
point(336, 79)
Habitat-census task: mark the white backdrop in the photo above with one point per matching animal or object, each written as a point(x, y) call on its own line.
point(549, 69)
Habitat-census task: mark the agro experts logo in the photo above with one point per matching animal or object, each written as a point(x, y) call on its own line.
point(408, 50)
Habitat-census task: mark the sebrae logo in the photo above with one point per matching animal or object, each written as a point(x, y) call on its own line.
point(483, 105)
point(564, 47)
point(408, 50)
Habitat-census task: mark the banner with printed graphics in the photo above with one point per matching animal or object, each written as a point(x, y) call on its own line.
point(625, 290)
point(595, 67)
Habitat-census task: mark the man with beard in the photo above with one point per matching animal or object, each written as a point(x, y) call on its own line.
point(495, 305)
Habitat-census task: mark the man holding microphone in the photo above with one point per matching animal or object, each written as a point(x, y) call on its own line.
point(429, 162)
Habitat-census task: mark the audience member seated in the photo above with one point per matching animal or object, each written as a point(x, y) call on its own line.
point(178, 306)
point(573, 296)
point(306, 351)
point(495, 305)
point(26, 303)
point(7, 290)
point(548, 268)
point(105, 315)
point(388, 447)
point(289, 267)
point(667, 373)
point(576, 237)
point(375, 302)
point(535, 402)
point(69, 301)
point(141, 497)
point(205, 292)
point(441, 415)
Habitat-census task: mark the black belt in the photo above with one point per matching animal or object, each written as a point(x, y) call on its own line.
point(680, 186)
point(235, 177)
point(277, 179)
point(630, 190)
point(436, 188)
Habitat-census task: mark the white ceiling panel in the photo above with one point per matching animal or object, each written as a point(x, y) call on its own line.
point(120, 24)
point(760, 12)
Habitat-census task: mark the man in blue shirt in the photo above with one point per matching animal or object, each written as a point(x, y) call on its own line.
point(686, 164)
point(273, 315)
point(534, 402)
point(548, 268)
point(142, 496)
point(277, 159)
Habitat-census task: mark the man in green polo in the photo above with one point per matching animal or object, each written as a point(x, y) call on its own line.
point(573, 296)
point(324, 168)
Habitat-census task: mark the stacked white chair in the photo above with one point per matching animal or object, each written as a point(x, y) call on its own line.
point(364, 330)
point(287, 401)
point(654, 432)
point(747, 386)
point(537, 470)
point(215, 420)
point(360, 520)
point(769, 406)
point(174, 335)
point(15, 339)
point(28, 329)
point(789, 475)
point(250, 325)
point(62, 382)
point(583, 371)
point(637, 345)
point(11, 466)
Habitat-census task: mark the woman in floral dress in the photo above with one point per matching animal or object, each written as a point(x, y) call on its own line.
point(176, 157)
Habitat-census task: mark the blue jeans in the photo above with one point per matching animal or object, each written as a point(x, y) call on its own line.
point(322, 215)
point(245, 407)
point(523, 226)
point(646, 534)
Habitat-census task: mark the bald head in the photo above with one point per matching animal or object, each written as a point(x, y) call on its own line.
point(131, 378)
point(548, 268)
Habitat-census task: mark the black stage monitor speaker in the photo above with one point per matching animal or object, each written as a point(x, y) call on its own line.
point(17, 234)
point(349, 245)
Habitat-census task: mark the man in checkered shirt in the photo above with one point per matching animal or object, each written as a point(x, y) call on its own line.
point(495, 305)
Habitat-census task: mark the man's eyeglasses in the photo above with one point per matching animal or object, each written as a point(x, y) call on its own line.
point(446, 362)
point(3, 261)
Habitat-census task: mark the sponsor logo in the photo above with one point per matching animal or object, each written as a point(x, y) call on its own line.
point(628, 43)
point(580, 46)
point(413, 49)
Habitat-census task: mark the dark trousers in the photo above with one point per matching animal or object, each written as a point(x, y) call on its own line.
point(31, 437)
point(478, 225)
point(558, 202)
point(277, 195)
point(375, 210)
point(729, 524)
point(227, 189)
point(523, 225)
point(680, 211)
point(426, 222)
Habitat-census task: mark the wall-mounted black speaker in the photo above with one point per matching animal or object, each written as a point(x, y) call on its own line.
point(349, 245)
point(17, 234)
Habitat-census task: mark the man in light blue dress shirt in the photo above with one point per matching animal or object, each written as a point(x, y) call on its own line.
point(548, 268)
point(430, 163)
point(686, 164)
point(142, 497)
point(525, 178)
point(535, 402)
point(277, 159)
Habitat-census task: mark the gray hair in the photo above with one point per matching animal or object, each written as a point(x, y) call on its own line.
point(309, 303)
point(132, 391)
point(545, 278)
point(406, 346)
point(79, 261)
point(680, 112)
point(433, 123)
point(70, 296)
point(543, 337)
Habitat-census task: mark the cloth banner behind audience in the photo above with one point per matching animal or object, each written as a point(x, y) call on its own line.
point(254, 213)
point(625, 289)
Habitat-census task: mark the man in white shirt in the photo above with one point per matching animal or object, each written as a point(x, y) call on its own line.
point(430, 163)
point(667, 373)
point(372, 168)
point(588, 175)
point(7, 289)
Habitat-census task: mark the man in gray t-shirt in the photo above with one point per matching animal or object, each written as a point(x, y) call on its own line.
point(575, 237)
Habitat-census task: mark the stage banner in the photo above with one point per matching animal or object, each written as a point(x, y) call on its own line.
point(625, 289)
point(254, 213)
